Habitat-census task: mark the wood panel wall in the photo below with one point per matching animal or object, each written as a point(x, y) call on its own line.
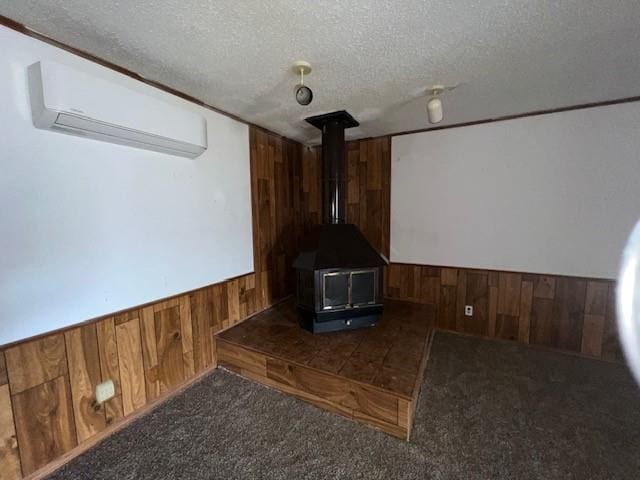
point(47, 385)
point(567, 313)
point(369, 189)
point(311, 189)
point(368, 171)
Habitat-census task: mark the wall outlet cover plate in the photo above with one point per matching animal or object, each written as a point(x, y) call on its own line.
point(105, 391)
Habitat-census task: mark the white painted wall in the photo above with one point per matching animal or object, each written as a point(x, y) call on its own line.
point(88, 228)
point(555, 193)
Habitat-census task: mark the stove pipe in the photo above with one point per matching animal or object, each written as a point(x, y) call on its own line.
point(334, 186)
point(333, 181)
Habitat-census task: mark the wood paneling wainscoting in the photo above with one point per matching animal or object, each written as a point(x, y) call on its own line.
point(566, 313)
point(368, 170)
point(369, 189)
point(47, 384)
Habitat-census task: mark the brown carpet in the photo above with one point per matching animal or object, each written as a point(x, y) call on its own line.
point(487, 410)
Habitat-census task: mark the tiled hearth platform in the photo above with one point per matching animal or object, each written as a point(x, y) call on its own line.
point(371, 375)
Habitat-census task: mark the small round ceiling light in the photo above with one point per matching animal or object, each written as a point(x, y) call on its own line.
point(304, 95)
point(434, 105)
point(435, 111)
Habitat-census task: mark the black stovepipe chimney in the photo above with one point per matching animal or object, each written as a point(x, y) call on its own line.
point(333, 181)
point(334, 188)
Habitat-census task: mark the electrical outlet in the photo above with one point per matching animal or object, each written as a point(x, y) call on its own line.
point(105, 391)
point(468, 310)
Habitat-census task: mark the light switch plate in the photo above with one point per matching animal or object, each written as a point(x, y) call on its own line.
point(105, 391)
point(468, 310)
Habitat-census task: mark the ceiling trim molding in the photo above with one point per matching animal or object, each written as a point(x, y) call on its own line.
point(534, 113)
point(19, 27)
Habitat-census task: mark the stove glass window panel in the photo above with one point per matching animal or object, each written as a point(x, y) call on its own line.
point(335, 290)
point(363, 288)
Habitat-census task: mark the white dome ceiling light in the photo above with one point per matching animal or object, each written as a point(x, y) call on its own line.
point(434, 109)
point(434, 105)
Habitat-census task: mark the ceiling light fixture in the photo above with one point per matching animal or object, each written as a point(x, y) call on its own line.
point(304, 95)
point(434, 105)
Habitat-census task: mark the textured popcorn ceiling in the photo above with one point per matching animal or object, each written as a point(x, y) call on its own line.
point(371, 57)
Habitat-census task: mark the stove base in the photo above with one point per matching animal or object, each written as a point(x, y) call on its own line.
point(324, 322)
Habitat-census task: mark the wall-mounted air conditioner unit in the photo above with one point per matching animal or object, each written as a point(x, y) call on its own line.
point(69, 101)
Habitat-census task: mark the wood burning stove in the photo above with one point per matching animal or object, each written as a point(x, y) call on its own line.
point(339, 280)
point(339, 273)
